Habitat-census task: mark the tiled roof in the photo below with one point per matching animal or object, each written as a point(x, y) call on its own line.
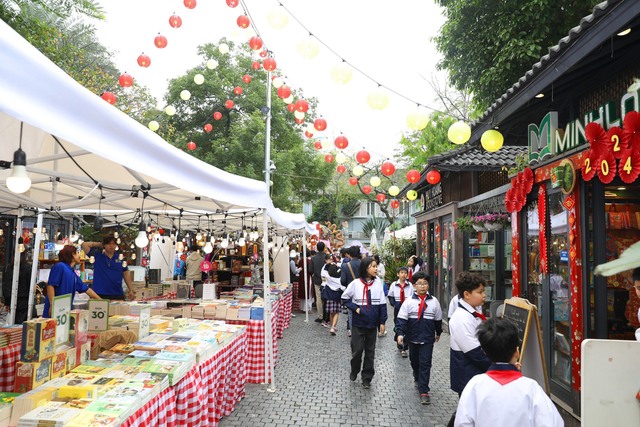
point(474, 158)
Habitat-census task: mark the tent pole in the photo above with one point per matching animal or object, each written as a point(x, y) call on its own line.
point(16, 270)
point(306, 276)
point(34, 266)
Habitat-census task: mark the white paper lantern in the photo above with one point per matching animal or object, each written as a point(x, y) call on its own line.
point(153, 125)
point(288, 100)
point(308, 47)
point(277, 82)
point(341, 158)
point(212, 64)
point(342, 73)
point(223, 48)
point(170, 110)
point(374, 181)
point(378, 99)
point(277, 18)
point(185, 95)
point(418, 119)
point(198, 79)
point(358, 170)
point(299, 114)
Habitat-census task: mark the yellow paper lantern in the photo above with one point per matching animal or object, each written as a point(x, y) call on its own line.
point(459, 132)
point(418, 119)
point(198, 79)
point(298, 114)
point(326, 144)
point(374, 181)
point(170, 110)
point(185, 95)
point(358, 170)
point(212, 64)
point(394, 190)
point(153, 125)
point(311, 129)
point(288, 100)
point(277, 18)
point(342, 73)
point(341, 158)
point(223, 48)
point(412, 194)
point(492, 140)
point(277, 82)
point(308, 47)
point(378, 99)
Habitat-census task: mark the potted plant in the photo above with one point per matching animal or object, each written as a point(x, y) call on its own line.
point(477, 222)
point(496, 221)
point(464, 224)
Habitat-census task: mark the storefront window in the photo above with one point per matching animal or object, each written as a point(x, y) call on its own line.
point(447, 264)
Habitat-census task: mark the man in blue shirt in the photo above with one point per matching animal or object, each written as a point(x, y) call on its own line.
point(108, 270)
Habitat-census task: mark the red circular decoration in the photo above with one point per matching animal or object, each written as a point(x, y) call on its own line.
point(307, 134)
point(353, 180)
point(317, 145)
point(631, 129)
point(381, 197)
point(617, 142)
point(255, 43)
point(302, 105)
point(341, 169)
point(299, 121)
point(528, 178)
point(363, 156)
point(110, 97)
point(229, 104)
point(367, 189)
point(607, 170)
point(217, 115)
point(175, 21)
point(243, 21)
point(256, 65)
point(328, 158)
point(237, 90)
point(161, 231)
point(320, 124)
point(629, 167)
point(395, 204)
point(413, 176)
point(233, 3)
point(160, 41)
point(433, 177)
point(144, 60)
point(208, 128)
point(144, 262)
point(246, 78)
point(205, 266)
point(341, 142)
point(291, 108)
point(269, 64)
point(590, 165)
point(387, 169)
point(190, 4)
point(263, 53)
point(284, 92)
point(125, 80)
point(191, 145)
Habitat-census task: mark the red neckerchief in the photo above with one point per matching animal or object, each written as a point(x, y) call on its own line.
point(410, 275)
point(402, 285)
point(503, 373)
point(423, 305)
point(366, 296)
point(479, 315)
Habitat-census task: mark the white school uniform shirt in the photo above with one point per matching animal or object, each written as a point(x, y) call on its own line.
point(522, 402)
point(354, 292)
point(453, 305)
point(333, 282)
point(394, 290)
point(462, 328)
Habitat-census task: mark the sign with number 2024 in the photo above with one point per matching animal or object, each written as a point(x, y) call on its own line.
point(98, 315)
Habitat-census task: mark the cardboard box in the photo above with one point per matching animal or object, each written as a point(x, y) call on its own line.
point(38, 340)
point(59, 365)
point(30, 375)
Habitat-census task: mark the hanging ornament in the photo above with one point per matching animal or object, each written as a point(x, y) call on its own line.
point(413, 176)
point(342, 73)
point(223, 48)
point(366, 189)
point(418, 119)
point(299, 121)
point(125, 80)
point(590, 165)
point(217, 115)
point(185, 95)
point(269, 64)
point(229, 104)
point(341, 168)
point(363, 156)
point(277, 81)
point(308, 134)
point(191, 145)
point(395, 204)
point(198, 79)
point(233, 3)
point(387, 169)
point(326, 144)
point(299, 115)
point(328, 158)
point(380, 197)
point(175, 21)
point(607, 170)
point(341, 142)
point(246, 78)
point(308, 47)
point(311, 129)
point(459, 132)
point(302, 105)
point(375, 181)
point(353, 180)
point(617, 142)
point(291, 108)
point(412, 195)
point(263, 53)
point(394, 190)
point(256, 65)
point(277, 18)
point(631, 129)
point(317, 145)
point(289, 101)
point(629, 166)
point(243, 21)
point(153, 125)
point(433, 177)
point(110, 97)
point(358, 170)
point(284, 91)
point(170, 110)
point(160, 41)
point(212, 64)
point(320, 124)
point(492, 140)
point(190, 4)
point(542, 231)
point(378, 99)
point(340, 157)
point(144, 60)
point(208, 127)
point(237, 90)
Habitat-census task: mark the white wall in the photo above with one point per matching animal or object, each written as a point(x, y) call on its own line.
point(280, 254)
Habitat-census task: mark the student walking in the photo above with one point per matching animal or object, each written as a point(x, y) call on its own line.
point(399, 291)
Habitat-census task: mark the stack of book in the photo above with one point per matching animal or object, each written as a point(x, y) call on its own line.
point(11, 335)
point(176, 368)
point(51, 414)
point(6, 405)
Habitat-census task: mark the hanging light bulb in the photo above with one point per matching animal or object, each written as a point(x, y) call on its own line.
point(133, 246)
point(124, 264)
point(241, 241)
point(224, 244)
point(74, 236)
point(133, 256)
point(19, 181)
point(120, 257)
point(116, 234)
point(198, 235)
point(118, 241)
point(208, 248)
point(142, 240)
point(20, 245)
point(92, 259)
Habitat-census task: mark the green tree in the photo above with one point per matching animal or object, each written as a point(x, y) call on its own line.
point(324, 209)
point(416, 148)
point(488, 45)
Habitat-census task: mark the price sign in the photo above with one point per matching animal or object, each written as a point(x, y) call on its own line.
point(208, 291)
point(98, 315)
point(143, 326)
point(60, 311)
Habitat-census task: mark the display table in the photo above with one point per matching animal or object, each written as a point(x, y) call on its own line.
point(9, 356)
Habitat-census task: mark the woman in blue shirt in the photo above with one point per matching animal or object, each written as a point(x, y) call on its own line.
point(64, 280)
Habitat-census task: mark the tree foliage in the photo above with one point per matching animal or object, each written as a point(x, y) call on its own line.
point(488, 45)
point(416, 148)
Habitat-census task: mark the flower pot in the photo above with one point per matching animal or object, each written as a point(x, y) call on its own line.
point(495, 226)
point(479, 228)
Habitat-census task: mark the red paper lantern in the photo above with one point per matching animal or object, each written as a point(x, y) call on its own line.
point(381, 197)
point(341, 169)
point(255, 43)
point(367, 189)
point(387, 169)
point(299, 121)
point(433, 177)
point(308, 134)
point(256, 65)
point(317, 145)
point(125, 80)
point(284, 92)
point(328, 158)
point(302, 105)
point(243, 21)
point(363, 156)
point(208, 128)
point(160, 41)
point(144, 60)
point(341, 142)
point(229, 104)
point(237, 90)
point(353, 180)
point(291, 108)
point(233, 3)
point(217, 115)
point(395, 204)
point(246, 78)
point(320, 124)
point(263, 53)
point(110, 97)
point(191, 145)
point(175, 21)
point(190, 4)
point(269, 64)
point(413, 176)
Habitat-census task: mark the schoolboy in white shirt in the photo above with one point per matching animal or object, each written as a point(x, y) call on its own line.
point(399, 291)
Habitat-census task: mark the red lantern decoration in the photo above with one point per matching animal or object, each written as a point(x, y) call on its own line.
point(320, 124)
point(317, 145)
point(191, 145)
point(217, 115)
point(263, 53)
point(387, 169)
point(308, 134)
point(328, 158)
point(395, 204)
point(363, 156)
point(367, 189)
point(353, 180)
point(269, 64)
point(160, 41)
point(208, 128)
point(237, 90)
point(341, 169)
point(233, 3)
point(433, 177)
point(243, 21)
point(291, 108)
point(341, 142)
point(109, 97)
point(190, 4)
point(255, 43)
point(229, 104)
point(246, 78)
point(144, 60)
point(381, 197)
point(284, 92)
point(413, 176)
point(256, 65)
point(175, 21)
point(125, 80)
point(299, 121)
point(302, 105)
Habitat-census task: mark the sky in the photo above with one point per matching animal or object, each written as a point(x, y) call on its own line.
point(389, 42)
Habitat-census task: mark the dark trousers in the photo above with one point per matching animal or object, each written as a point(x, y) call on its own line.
point(404, 345)
point(420, 357)
point(363, 340)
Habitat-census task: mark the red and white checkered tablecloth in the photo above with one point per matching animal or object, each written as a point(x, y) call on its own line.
point(9, 356)
point(296, 299)
point(287, 309)
point(159, 411)
point(189, 398)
